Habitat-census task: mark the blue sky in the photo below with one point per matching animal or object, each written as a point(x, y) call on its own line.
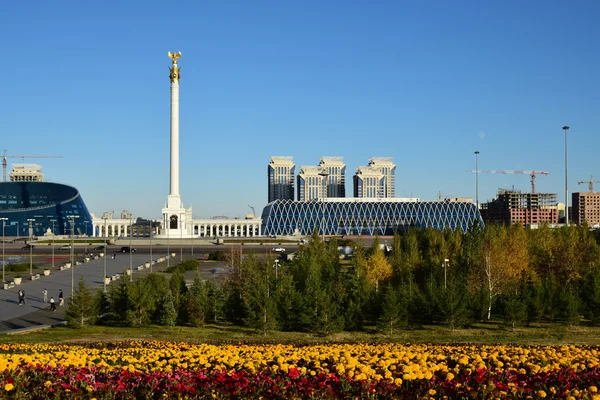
point(427, 83)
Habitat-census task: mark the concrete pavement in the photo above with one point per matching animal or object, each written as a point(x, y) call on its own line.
point(36, 312)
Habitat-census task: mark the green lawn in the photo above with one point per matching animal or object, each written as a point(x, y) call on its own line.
point(214, 333)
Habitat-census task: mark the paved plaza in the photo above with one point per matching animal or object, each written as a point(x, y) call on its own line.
point(35, 312)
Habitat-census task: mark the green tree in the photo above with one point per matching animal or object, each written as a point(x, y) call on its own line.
point(197, 303)
point(102, 306)
point(81, 307)
point(169, 312)
point(569, 306)
point(260, 299)
point(591, 295)
point(119, 297)
point(394, 310)
point(452, 303)
point(515, 310)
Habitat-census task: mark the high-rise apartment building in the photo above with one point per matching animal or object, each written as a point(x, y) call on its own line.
point(280, 174)
point(388, 169)
point(368, 182)
point(586, 208)
point(335, 169)
point(311, 184)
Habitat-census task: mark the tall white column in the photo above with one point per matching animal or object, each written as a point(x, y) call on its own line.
point(174, 137)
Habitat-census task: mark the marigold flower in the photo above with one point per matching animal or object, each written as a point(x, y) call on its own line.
point(8, 387)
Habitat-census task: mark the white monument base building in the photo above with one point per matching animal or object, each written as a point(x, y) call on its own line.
point(198, 228)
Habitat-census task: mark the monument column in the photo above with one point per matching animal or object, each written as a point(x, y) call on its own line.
point(174, 199)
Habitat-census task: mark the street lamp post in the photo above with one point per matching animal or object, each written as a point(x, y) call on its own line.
point(105, 254)
point(151, 246)
point(130, 250)
point(566, 128)
point(85, 224)
point(53, 221)
point(17, 230)
point(3, 260)
point(477, 178)
point(445, 266)
point(168, 245)
point(30, 220)
point(73, 252)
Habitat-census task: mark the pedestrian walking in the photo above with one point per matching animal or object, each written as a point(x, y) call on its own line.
point(20, 294)
point(23, 296)
point(45, 292)
point(52, 304)
point(61, 300)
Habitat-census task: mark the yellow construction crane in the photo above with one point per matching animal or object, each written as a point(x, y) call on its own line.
point(590, 183)
point(4, 164)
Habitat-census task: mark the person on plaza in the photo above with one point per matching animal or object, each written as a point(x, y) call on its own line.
point(22, 297)
point(20, 293)
point(45, 292)
point(52, 304)
point(61, 300)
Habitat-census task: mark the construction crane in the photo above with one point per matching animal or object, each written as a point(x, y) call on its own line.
point(511, 171)
point(4, 164)
point(590, 183)
point(253, 212)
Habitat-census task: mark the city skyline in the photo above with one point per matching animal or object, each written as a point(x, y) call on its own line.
point(426, 85)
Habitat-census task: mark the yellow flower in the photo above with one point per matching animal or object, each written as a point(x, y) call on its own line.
point(432, 392)
point(47, 383)
point(449, 376)
point(541, 393)
point(593, 389)
point(8, 387)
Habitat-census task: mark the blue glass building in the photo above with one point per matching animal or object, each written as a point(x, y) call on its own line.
point(354, 216)
point(47, 204)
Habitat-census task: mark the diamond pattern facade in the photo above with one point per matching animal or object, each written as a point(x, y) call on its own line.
point(365, 216)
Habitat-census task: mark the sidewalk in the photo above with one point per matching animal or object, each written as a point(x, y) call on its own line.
point(36, 313)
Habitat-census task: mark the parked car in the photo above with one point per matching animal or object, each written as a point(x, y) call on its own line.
point(65, 247)
point(28, 246)
point(99, 248)
point(127, 249)
point(278, 249)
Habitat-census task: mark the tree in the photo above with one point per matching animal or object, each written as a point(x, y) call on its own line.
point(197, 303)
point(394, 312)
point(81, 307)
point(515, 310)
point(452, 303)
point(504, 258)
point(378, 268)
point(261, 305)
point(169, 312)
point(101, 306)
point(591, 295)
point(569, 306)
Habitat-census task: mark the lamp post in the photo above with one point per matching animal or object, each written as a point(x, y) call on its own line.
point(151, 246)
point(445, 266)
point(130, 250)
point(324, 176)
point(53, 221)
point(30, 220)
point(105, 254)
point(73, 252)
point(477, 178)
point(3, 260)
point(17, 230)
point(276, 266)
point(566, 128)
point(168, 245)
point(85, 224)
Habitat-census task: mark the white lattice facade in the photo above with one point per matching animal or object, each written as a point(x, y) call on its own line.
point(365, 216)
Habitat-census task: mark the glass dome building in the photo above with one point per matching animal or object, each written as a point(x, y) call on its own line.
point(363, 216)
point(49, 206)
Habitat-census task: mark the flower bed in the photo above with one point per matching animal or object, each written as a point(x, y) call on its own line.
point(178, 370)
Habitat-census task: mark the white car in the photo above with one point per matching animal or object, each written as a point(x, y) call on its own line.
point(278, 249)
point(65, 247)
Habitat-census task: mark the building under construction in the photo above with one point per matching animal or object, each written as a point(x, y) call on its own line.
point(516, 207)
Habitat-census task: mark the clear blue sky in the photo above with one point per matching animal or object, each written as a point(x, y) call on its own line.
point(425, 82)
